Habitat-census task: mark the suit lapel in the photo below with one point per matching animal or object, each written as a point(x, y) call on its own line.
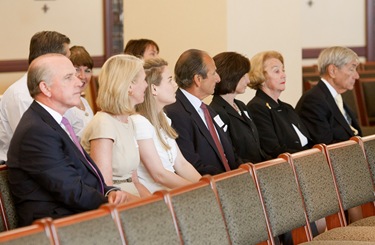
point(235, 114)
point(53, 124)
point(197, 119)
point(244, 119)
point(248, 121)
point(334, 108)
point(229, 109)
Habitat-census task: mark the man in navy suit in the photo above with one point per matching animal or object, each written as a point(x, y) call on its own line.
point(195, 74)
point(321, 109)
point(49, 175)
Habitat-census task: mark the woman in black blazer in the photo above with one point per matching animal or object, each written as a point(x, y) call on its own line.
point(233, 70)
point(280, 128)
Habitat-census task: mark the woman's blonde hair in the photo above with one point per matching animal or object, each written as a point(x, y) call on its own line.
point(257, 74)
point(115, 78)
point(154, 68)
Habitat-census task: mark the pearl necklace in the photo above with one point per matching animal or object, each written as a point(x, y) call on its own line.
point(169, 151)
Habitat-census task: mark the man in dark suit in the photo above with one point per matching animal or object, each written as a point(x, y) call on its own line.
point(321, 109)
point(195, 74)
point(49, 175)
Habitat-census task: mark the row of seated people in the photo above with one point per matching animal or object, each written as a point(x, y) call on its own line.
point(117, 101)
point(223, 103)
point(254, 204)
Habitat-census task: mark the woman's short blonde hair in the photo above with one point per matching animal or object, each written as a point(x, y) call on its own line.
point(257, 74)
point(115, 78)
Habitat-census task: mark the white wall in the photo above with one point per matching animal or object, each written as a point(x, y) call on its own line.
point(333, 22)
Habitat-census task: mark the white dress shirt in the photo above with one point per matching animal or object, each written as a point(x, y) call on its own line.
point(14, 102)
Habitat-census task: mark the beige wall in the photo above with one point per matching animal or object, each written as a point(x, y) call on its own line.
point(259, 25)
point(178, 25)
point(247, 27)
point(81, 21)
point(244, 26)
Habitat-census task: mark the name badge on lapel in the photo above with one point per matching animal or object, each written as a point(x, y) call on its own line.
point(220, 123)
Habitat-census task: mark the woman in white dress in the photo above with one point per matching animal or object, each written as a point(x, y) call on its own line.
point(162, 164)
point(81, 115)
point(110, 138)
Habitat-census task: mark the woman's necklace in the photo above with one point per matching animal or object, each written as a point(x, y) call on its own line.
point(236, 108)
point(82, 108)
point(170, 157)
point(169, 151)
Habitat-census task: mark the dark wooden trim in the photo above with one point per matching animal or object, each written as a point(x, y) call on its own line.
point(313, 53)
point(13, 65)
point(21, 65)
point(108, 28)
point(98, 61)
point(370, 29)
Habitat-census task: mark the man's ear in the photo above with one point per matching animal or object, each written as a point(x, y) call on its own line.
point(44, 88)
point(197, 80)
point(331, 70)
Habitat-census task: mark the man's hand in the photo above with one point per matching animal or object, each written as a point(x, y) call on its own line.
point(117, 197)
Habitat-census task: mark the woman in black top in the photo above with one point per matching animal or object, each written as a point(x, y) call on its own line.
point(233, 70)
point(280, 128)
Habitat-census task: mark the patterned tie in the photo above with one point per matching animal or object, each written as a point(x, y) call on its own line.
point(340, 105)
point(76, 142)
point(211, 128)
